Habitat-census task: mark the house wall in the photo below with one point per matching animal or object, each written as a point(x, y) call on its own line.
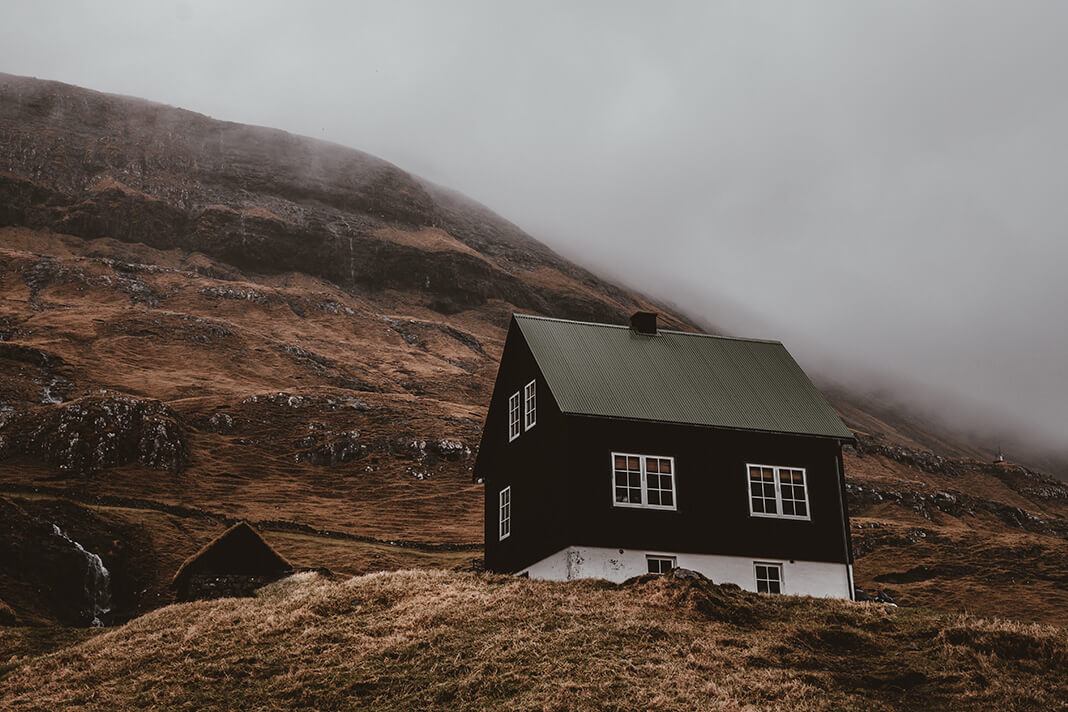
point(530, 464)
point(809, 578)
point(712, 515)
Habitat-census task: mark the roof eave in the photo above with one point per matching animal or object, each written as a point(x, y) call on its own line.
point(850, 437)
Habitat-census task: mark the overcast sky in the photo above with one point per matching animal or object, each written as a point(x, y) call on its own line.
point(883, 186)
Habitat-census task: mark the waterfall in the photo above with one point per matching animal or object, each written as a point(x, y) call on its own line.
point(97, 580)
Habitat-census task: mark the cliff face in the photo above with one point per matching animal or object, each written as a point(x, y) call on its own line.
point(202, 321)
point(95, 165)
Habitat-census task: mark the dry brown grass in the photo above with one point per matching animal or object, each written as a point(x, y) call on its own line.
point(437, 640)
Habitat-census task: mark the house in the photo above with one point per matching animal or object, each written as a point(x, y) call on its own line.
point(610, 452)
point(235, 563)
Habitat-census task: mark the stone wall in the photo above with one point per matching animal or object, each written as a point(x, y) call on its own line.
point(205, 586)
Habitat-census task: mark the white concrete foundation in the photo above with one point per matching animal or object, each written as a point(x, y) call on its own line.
point(803, 578)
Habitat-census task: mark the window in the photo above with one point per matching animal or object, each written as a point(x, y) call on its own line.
point(530, 405)
point(660, 564)
point(778, 492)
point(513, 416)
point(643, 481)
point(504, 528)
point(768, 577)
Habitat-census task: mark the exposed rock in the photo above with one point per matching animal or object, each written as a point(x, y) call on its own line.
point(246, 294)
point(49, 373)
point(331, 448)
point(96, 432)
point(1024, 480)
point(688, 574)
point(956, 504)
point(221, 423)
point(883, 597)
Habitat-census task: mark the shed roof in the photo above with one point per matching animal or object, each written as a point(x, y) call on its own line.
point(678, 377)
point(238, 550)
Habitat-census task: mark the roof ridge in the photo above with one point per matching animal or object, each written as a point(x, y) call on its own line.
point(662, 331)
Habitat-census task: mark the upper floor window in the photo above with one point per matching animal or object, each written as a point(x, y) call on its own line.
point(778, 492)
point(643, 481)
point(530, 405)
point(513, 416)
point(504, 522)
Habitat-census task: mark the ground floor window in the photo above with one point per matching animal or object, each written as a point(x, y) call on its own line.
point(768, 578)
point(660, 564)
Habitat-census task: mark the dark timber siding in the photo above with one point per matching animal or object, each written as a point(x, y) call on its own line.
point(532, 465)
point(562, 495)
point(712, 492)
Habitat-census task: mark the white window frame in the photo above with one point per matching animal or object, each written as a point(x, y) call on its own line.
point(673, 560)
point(513, 416)
point(769, 565)
point(504, 513)
point(530, 405)
point(644, 504)
point(778, 513)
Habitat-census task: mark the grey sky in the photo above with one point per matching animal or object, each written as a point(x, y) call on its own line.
point(884, 186)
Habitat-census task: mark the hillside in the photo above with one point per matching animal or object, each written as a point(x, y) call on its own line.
point(437, 640)
point(202, 321)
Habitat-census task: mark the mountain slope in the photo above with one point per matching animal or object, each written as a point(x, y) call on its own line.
point(202, 321)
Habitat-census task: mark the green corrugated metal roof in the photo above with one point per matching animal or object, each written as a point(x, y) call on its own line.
point(678, 377)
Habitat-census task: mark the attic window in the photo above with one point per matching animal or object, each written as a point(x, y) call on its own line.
point(643, 481)
point(768, 577)
point(530, 406)
point(778, 492)
point(513, 416)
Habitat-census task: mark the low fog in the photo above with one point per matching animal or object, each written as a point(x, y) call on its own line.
point(882, 188)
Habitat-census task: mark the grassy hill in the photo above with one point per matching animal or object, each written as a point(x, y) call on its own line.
point(439, 640)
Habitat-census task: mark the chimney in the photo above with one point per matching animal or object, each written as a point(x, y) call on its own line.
point(643, 323)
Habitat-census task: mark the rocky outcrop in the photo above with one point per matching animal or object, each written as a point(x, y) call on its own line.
point(331, 448)
point(96, 432)
point(956, 504)
point(1022, 479)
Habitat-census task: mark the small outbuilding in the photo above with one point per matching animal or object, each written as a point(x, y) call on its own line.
point(235, 563)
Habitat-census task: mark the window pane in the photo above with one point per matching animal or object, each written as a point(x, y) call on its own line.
point(654, 497)
point(620, 462)
point(666, 499)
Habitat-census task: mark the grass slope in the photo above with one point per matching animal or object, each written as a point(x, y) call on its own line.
point(438, 640)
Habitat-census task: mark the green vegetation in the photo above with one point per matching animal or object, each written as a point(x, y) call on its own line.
point(441, 640)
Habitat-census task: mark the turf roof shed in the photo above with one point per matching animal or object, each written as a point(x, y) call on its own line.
point(235, 563)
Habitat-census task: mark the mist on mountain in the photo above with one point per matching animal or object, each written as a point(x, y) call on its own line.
point(880, 188)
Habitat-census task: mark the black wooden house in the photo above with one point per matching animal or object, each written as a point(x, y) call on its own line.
point(611, 451)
